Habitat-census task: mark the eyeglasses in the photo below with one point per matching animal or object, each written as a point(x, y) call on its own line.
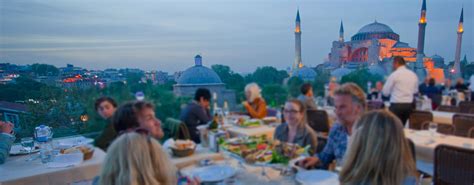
point(291, 111)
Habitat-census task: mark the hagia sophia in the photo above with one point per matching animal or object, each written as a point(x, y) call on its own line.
point(373, 47)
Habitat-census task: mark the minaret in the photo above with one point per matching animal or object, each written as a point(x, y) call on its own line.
point(420, 54)
point(341, 33)
point(457, 56)
point(298, 61)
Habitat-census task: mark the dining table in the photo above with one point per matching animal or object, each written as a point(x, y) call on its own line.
point(425, 143)
point(247, 174)
point(18, 171)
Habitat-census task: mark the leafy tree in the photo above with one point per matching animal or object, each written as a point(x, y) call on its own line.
point(275, 95)
point(44, 70)
point(232, 80)
point(294, 85)
point(24, 88)
point(268, 75)
point(361, 77)
point(321, 79)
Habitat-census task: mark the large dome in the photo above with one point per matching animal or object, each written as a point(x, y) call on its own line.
point(375, 30)
point(376, 27)
point(199, 74)
point(306, 74)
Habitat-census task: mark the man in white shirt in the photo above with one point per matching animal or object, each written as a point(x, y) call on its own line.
point(401, 85)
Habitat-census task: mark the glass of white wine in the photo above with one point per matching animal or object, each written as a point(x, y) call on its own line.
point(433, 127)
point(28, 144)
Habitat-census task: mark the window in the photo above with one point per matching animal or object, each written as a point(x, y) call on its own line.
point(12, 118)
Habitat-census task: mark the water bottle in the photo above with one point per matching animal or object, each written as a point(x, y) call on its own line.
point(43, 135)
point(46, 152)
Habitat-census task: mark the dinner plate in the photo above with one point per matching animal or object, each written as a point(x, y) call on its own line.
point(19, 150)
point(317, 177)
point(213, 173)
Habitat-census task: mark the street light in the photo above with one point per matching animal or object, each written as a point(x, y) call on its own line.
point(84, 117)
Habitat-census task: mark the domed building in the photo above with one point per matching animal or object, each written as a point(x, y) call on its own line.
point(377, 69)
point(305, 73)
point(340, 72)
point(199, 76)
point(372, 44)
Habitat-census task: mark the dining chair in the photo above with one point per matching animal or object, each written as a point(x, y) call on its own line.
point(271, 112)
point(318, 120)
point(465, 106)
point(447, 108)
point(471, 133)
point(447, 129)
point(462, 123)
point(453, 165)
point(417, 118)
point(374, 105)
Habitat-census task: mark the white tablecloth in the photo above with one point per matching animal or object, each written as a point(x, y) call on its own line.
point(236, 131)
point(425, 145)
point(443, 117)
point(17, 171)
point(200, 154)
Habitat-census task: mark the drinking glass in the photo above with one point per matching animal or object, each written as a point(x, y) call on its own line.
point(28, 144)
point(433, 127)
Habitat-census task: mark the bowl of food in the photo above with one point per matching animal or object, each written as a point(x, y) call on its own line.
point(183, 148)
point(86, 150)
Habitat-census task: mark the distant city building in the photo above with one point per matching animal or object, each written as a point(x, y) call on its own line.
point(199, 76)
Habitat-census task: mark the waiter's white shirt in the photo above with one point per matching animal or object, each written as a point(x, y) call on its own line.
point(401, 85)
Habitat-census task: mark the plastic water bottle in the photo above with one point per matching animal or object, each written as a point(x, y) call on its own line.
point(46, 152)
point(43, 135)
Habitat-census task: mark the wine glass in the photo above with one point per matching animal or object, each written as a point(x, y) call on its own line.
point(433, 127)
point(28, 144)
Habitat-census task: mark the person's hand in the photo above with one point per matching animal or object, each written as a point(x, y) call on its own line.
point(309, 162)
point(6, 127)
point(246, 104)
point(193, 181)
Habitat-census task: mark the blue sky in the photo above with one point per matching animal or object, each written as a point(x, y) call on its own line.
point(243, 34)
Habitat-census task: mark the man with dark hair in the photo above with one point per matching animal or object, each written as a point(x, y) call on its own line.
point(137, 114)
point(401, 85)
point(307, 97)
point(197, 113)
point(105, 107)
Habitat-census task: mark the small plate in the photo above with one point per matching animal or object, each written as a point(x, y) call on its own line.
point(317, 177)
point(19, 150)
point(213, 173)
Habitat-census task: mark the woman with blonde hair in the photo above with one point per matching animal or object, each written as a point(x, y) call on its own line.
point(255, 104)
point(137, 159)
point(378, 152)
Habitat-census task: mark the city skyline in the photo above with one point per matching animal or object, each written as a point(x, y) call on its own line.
point(166, 35)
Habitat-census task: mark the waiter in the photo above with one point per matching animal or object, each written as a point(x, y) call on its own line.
point(401, 85)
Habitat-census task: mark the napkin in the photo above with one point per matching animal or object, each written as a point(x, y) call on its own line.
point(66, 160)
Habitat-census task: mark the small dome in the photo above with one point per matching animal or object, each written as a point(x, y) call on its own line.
point(306, 74)
point(377, 70)
point(340, 72)
point(436, 56)
point(199, 74)
point(376, 27)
